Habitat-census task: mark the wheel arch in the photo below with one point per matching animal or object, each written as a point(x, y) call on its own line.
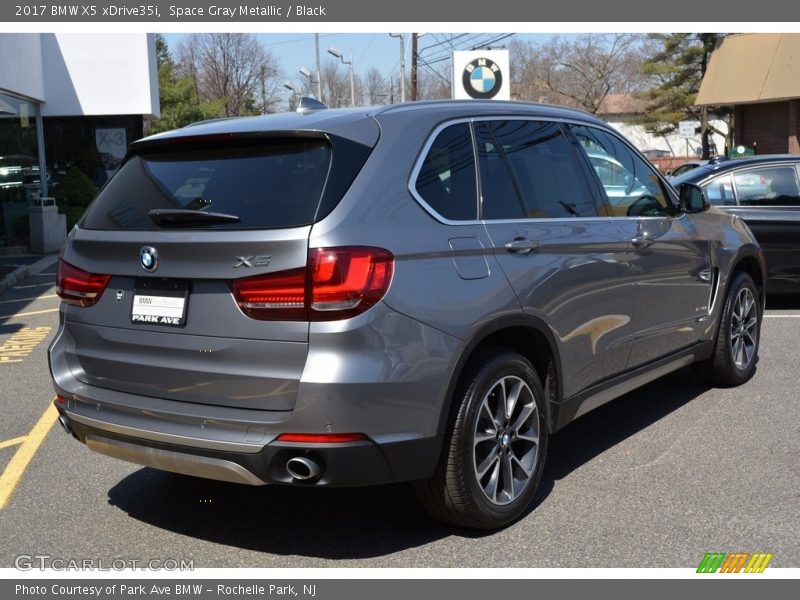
point(526, 335)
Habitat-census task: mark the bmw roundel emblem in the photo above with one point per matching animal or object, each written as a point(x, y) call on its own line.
point(482, 78)
point(148, 257)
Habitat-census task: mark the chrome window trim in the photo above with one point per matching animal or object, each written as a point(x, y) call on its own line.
point(471, 122)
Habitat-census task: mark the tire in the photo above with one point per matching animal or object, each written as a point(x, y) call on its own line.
point(491, 464)
point(736, 346)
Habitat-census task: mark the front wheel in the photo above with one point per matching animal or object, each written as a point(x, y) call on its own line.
point(736, 346)
point(494, 453)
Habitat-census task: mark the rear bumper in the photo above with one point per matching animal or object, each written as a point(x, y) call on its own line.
point(341, 465)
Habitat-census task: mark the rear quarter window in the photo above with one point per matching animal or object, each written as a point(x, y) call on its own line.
point(270, 185)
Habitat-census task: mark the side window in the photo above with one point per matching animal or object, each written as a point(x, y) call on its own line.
point(631, 186)
point(719, 191)
point(499, 195)
point(544, 170)
point(774, 186)
point(446, 180)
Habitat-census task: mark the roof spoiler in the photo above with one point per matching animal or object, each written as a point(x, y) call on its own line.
point(309, 105)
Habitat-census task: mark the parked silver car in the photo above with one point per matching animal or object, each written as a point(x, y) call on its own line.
point(421, 292)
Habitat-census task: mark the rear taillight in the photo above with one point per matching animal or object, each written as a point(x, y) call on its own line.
point(338, 283)
point(78, 287)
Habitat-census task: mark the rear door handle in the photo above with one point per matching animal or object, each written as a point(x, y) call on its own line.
point(521, 245)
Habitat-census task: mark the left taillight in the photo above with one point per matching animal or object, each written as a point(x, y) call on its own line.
point(336, 283)
point(76, 286)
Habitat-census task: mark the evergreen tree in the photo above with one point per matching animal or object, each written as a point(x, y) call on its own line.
point(180, 104)
point(677, 68)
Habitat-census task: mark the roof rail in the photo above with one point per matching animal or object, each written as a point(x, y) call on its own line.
point(309, 105)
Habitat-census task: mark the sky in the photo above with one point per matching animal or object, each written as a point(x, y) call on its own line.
point(296, 50)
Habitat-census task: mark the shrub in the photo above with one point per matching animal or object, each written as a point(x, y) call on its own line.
point(75, 190)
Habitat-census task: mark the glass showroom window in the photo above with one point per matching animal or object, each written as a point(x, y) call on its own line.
point(19, 163)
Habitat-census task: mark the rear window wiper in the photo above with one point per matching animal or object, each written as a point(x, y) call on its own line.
point(186, 217)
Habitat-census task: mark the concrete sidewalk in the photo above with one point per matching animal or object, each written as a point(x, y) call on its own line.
point(28, 265)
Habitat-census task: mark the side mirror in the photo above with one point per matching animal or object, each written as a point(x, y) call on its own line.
point(693, 198)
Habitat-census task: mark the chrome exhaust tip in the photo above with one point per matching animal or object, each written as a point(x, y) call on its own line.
point(65, 425)
point(303, 468)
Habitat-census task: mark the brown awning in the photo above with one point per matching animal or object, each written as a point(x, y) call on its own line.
point(753, 67)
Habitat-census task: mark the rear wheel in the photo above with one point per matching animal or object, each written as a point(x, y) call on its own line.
point(736, 346)
point(494, 454)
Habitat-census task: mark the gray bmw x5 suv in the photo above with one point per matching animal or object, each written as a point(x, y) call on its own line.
point(422, 292)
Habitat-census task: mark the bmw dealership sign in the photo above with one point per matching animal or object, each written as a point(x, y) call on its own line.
point(481, 74)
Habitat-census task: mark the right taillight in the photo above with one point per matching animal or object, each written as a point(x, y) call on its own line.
point(76, 286)
point(338, 283)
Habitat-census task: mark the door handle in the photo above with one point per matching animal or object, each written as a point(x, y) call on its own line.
point(521, 245)
point(641, 241)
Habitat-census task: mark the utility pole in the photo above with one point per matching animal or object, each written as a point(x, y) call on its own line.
point(402, 37)
point(263, 90)
point(414, 37)
point(319, 78)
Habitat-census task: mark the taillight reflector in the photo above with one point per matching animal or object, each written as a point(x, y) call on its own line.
point(78, 287)
point(337, 284)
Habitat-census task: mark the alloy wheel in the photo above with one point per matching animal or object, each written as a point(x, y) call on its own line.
point(506, 440)
point(744, 328)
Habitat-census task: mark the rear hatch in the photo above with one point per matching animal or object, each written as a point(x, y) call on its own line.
point(156, 273)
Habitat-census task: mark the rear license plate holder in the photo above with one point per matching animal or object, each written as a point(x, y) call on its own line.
point(160, 302)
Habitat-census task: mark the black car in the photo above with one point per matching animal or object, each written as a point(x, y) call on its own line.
point(764, 191)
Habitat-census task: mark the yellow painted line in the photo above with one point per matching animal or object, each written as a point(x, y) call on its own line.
point(29, 314)
point(19, 462)
point(14, 442)
point(29, 299)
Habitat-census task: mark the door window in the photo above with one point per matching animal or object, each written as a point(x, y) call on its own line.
point(632, 187)
point(773, 186)
point(528, 170)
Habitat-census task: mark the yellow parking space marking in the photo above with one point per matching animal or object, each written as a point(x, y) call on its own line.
point(28, 314)
point(29, 299)
point(21, 344)
point(14, 442)
point(782, 316)
point(22, 458)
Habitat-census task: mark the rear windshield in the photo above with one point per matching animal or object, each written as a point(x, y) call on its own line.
point(267, 186)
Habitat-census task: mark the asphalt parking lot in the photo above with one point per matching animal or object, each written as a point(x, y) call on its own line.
point(654, 479)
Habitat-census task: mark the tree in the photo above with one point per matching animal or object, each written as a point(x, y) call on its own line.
point(233, 69)
point(433, 83)
point(676, 69)
point(376, 87)
point(577, 72)
point(180, 104)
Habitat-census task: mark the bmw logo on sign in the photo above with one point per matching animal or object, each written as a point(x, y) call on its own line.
point(482, 78)
point(481, 75)
point(148, 257)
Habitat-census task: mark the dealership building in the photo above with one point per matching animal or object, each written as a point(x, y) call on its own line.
point(69, 100)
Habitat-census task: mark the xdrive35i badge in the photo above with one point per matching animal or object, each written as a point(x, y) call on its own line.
point(148, 257)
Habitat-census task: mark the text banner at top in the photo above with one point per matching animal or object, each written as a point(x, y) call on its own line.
point(365, 11)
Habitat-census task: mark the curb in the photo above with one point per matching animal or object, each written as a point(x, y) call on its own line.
point(23, 272)
point(13, 278)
